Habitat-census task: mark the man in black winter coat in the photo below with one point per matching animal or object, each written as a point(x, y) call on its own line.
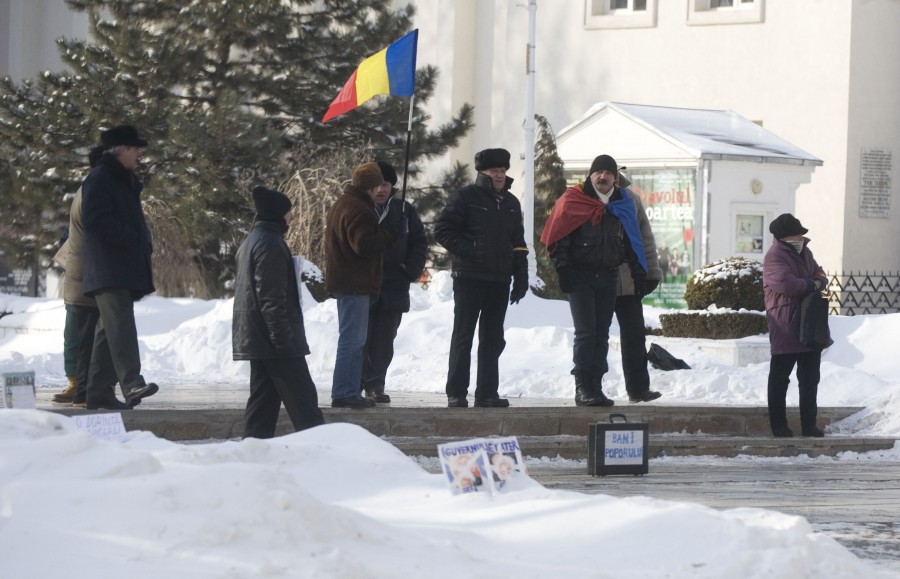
point(481, 227)
point(267, 324)
point(117, 268)
point(402, 264)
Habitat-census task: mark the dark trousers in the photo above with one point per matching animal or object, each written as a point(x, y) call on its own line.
point(278, 380)
point(116, 357)
point(632, 336)
point(592, 304)
point(480, 303)
point(780, 368)
point(70, 342)
point(86, 322)
point(379, 350)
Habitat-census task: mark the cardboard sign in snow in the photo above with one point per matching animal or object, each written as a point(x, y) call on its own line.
point(106, 426)
point(17, 390)
point(482, 464)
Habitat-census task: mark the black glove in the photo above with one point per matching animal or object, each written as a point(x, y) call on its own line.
point(566, 280)
point(640, 286)
point(519, 288)
point(650, 286)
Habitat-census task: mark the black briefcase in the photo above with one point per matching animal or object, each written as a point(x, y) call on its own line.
point(618, 447)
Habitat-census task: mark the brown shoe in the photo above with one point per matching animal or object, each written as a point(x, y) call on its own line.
point(67, 395)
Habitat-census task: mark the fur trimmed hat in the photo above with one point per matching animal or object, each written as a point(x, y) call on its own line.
point(604, 163)
point(367, 176)
point(388, 171)
point(270, 205)
point(125, 135)
point(491, 159)
point(786, 225)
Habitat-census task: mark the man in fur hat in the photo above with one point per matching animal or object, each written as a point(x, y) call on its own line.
point(267, 325)
point(481, 227)
point(354, 247)
point(117, 270)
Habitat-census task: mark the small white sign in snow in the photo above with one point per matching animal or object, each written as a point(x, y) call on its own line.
point(106, 426)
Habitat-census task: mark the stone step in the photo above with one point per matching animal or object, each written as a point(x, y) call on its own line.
point(424, 422)
point(576, 447)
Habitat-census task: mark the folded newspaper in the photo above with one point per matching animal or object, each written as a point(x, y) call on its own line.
point(482, 464)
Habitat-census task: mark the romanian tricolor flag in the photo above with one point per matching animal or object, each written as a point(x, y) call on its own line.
point(391, 71)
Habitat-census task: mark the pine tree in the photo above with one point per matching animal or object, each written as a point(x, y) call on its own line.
point(549, 184)
point(226, 93)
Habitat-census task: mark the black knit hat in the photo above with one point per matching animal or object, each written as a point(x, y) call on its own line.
point(388, 171)
point(604, 163)
point(270, 205)
point(786, 225)
point(122, 135)
point(367, 176)
point(491, 159)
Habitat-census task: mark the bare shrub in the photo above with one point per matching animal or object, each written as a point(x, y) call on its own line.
point(176, 269)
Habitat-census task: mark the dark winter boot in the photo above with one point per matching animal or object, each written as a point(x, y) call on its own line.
point(587, 395)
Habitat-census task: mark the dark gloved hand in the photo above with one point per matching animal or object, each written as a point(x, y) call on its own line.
point(519, 288)
point(566, 280)
point(640, 286)
point(650, 286)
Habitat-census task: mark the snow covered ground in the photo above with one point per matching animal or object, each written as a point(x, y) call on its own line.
point(338, 502)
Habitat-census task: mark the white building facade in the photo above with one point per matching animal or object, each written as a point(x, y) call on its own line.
point(821, 74)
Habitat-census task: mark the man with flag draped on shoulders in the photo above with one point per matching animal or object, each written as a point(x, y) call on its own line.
point(591, 231)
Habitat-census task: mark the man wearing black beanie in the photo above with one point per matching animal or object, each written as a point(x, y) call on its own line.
point(591, 231)
point(481, 227)
point(267, 323)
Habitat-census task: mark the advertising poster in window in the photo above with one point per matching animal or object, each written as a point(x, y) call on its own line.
point(669, 196)
point(748, 237)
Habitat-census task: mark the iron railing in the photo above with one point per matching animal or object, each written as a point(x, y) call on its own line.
point(852, 294)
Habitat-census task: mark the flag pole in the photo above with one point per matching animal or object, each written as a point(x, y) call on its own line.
point(412, 98)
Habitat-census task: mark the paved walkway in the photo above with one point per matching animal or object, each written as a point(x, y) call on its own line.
point(211, 396)
point(857, 503)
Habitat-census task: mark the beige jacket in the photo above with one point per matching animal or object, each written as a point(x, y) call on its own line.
point(73, 294)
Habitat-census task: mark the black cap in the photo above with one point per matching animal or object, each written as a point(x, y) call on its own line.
point(388, 172)
point(270, 205)
point(786, 225)
point(491, 159)
point(122, 135)
point(604, 163)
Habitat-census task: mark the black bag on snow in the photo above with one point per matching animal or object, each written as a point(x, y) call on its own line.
point(814, 332)
point(661, 359)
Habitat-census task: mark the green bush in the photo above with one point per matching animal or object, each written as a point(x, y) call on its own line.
point(729, 326)
point(734, 283)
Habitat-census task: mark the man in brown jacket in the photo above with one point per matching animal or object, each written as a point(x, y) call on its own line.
point(354, 247)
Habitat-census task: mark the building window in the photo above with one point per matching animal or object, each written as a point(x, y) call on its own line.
point(706, 12)
point(619, 13)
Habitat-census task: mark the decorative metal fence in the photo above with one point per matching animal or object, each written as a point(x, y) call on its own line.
point(864, 293)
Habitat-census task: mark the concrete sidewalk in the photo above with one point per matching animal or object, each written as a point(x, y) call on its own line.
point(221, 396)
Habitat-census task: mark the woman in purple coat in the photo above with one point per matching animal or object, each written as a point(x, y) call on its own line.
point(790, 273)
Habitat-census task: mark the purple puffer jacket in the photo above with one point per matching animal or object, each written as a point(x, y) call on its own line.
point(787, 278)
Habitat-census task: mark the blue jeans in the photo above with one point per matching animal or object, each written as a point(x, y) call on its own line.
point(353, 327)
